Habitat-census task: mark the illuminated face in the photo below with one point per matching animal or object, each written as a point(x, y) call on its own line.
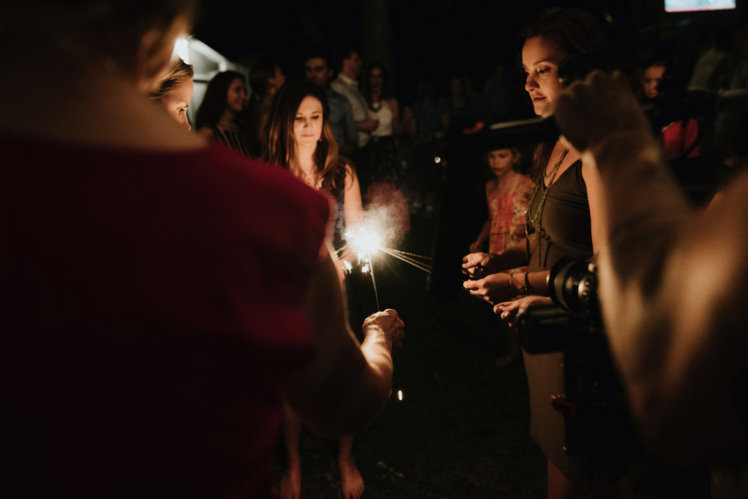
point(177, 102)
point(501, 161)
point(540, 60)
point(317, 71)
point(652, 80)
point(236, 96)
point(307, 125)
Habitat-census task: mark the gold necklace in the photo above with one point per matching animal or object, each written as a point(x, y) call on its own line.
point(537, 221)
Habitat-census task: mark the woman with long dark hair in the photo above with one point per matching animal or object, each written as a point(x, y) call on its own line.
point(221, 111)
point(382, 153)
point(299, 138)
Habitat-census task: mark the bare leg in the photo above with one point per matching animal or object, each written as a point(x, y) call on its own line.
point(560, 487)
point(350, 478)
point(290, 486)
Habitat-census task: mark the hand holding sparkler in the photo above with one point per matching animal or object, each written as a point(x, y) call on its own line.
point(387, 326)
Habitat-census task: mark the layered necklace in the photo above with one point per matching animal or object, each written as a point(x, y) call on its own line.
point(536, 222)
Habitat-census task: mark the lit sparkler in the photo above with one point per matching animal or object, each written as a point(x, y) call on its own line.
point(383, 224)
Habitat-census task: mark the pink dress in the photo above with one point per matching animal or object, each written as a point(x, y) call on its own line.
point(507, 212)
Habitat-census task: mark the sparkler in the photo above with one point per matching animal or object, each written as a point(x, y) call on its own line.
point(365, 241)
point(383, 223)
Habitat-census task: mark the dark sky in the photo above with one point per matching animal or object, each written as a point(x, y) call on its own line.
point(431, 38)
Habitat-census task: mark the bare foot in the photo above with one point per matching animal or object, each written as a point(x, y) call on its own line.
point(290, 486)
point(350, 479)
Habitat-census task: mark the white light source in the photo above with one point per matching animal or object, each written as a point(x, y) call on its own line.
point(182, 49)
point(364, 241)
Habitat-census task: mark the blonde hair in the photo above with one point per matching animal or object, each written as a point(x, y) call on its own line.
point(180, 72)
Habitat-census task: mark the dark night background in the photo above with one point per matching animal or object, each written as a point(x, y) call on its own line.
point(428, 38)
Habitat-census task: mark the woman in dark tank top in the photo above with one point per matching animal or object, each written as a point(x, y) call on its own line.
point(561, 222)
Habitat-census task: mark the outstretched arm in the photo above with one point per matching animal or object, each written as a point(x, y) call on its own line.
point(673, 281)
point(346, 384)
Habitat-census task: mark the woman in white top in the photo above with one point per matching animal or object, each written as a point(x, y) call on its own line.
point(383, 158)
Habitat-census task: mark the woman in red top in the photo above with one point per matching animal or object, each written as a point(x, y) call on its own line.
point(159, 312)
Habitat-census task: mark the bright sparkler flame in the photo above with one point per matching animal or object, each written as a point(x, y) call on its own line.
point(364, 241)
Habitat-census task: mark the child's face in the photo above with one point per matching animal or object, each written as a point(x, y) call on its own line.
point(500, 161)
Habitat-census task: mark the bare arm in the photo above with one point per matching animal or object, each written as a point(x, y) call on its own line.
point(346, 384)
point(397, 126)
point(673, 281)
point(353, 210)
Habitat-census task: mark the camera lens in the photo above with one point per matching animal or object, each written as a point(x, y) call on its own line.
point(573, 285)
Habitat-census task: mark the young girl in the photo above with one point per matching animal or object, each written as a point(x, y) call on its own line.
point(507, 197)
point(299, 138)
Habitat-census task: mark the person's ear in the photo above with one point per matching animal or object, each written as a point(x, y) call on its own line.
point(153, 59)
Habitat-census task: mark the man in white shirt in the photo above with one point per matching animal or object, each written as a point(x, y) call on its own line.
point(346, 83)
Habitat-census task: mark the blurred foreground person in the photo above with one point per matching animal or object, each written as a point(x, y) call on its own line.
point(161, 294)
point(673, 284)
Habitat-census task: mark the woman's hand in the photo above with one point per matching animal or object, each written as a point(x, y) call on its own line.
point(493, 288)
point(591, 110)
point(477, 264)
point(509, 311)
point(388, 326)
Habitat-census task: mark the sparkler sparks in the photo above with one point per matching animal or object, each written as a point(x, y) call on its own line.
point(384, 222)
point(364, 240)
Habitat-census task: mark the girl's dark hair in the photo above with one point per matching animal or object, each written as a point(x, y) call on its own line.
point(280, 138)
point(386, 87)
point(574, 32)
point(214, 101)
point(180, 72)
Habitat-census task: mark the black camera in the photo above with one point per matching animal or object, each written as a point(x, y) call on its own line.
point(572, 286)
